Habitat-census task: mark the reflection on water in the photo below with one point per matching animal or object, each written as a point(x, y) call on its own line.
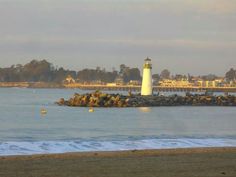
point(43, 111)
point(144, 109)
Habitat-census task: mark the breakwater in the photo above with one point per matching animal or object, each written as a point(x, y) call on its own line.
point(99, 99)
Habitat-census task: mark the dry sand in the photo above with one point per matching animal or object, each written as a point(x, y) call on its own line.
point(200, 162)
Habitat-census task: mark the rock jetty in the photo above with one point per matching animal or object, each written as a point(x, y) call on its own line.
point(99, 99)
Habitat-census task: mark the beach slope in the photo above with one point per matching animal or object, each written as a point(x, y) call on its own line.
point(200, 162)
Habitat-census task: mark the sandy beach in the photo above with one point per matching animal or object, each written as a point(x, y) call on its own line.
point(199, 162)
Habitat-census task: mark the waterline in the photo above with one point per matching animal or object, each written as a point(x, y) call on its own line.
point(51, 147)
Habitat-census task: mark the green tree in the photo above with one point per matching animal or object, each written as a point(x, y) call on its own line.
point(165, 74)
point(230, 75)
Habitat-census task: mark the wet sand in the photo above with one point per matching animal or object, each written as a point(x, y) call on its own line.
point(200, 162)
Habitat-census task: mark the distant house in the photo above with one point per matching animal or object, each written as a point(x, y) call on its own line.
point(119, 80)
point(111, 84)
point(175, 83)
point(69, 80)
point(134, 82)
point(96, 82)
point(219, 82)
point(198, 82)
point(232, 83)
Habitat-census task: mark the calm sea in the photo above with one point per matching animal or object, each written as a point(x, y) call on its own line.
point(23, 130)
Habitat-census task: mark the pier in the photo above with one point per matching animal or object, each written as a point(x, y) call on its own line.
point(15, 84)
point(133, 88)
point(155, 88)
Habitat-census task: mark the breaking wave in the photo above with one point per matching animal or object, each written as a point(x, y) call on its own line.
point(50, 147)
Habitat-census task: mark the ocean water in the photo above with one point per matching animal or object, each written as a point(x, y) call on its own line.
point(23, 130)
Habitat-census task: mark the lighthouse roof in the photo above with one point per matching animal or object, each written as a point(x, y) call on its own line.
point(147, 59)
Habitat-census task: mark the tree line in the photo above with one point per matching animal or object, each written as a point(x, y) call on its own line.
point(43, 71)
point(34, 71)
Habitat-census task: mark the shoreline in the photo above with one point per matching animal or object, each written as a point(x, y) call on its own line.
point(73, 146)
point(209, 162)
point(170, 151)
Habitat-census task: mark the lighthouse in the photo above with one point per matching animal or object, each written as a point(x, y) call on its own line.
point(147, 78)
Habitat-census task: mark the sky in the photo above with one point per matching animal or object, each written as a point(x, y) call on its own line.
point(184, 36)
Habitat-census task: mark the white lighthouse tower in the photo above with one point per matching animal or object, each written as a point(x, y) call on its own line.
point(147, 78)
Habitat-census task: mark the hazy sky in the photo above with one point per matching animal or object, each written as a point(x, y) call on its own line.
point(185, 36)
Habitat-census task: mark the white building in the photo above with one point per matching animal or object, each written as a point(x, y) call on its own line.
point(69, 80)
point(175, 83)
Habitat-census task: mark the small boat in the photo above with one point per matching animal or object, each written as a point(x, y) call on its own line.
point(91, 110)
point(43, 111)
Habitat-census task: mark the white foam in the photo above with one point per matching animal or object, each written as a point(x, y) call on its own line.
point(49, 147)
